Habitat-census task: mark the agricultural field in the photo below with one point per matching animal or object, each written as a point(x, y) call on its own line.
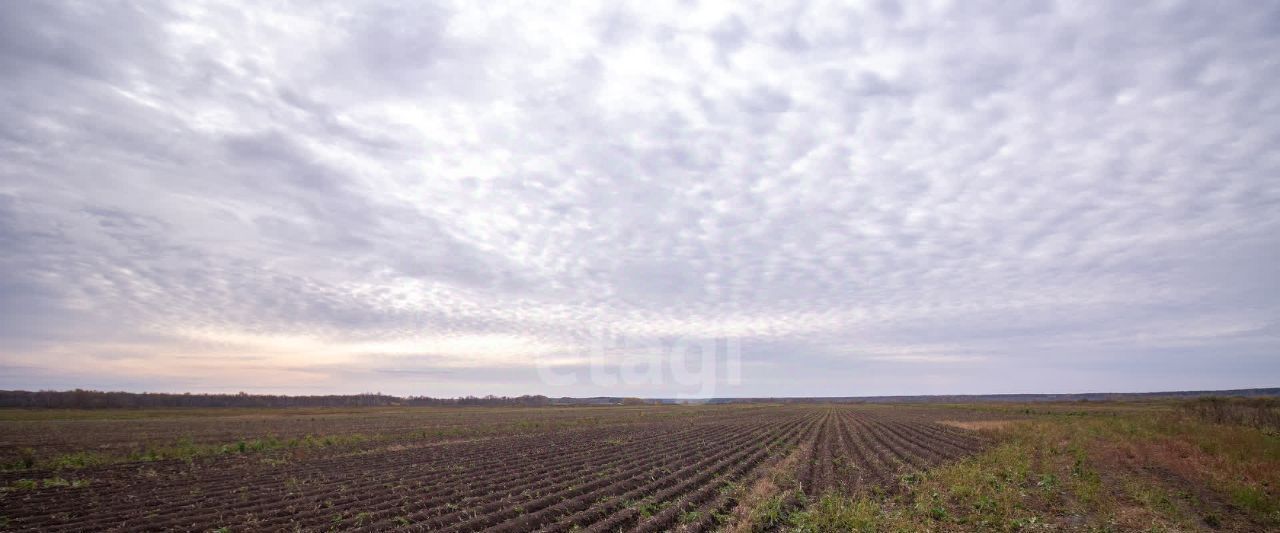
point(797, 467)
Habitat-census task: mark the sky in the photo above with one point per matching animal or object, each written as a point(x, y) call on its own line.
point(649, 199)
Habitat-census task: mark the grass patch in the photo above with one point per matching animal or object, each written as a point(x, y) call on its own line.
point(76, 460)
point(1261, 413)
point(771, 513)
point(1101, 471)
point(836, 513)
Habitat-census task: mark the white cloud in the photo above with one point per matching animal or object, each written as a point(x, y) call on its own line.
point(869, 184)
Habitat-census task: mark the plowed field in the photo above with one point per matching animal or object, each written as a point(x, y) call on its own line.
point(632, 469)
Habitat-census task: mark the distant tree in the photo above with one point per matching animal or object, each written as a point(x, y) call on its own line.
point(91, 399)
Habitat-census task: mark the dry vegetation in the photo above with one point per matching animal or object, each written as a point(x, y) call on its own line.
point(1211, 464)
point(1153, 466)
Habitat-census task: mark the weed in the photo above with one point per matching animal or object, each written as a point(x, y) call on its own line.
point(1262, 413)
point(771, 513)
point(649, 508)
point(1099, 470)
point(26, 458)
point(25, 484)
point(77, 460)
point(1254, 499)
point(30, 484)
point(835, 513)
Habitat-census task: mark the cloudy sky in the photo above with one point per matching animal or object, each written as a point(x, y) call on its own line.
point(430, 198)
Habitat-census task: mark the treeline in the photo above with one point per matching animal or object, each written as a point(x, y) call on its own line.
point(92, 399)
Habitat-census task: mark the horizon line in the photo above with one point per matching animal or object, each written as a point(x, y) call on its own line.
point(1275, 389)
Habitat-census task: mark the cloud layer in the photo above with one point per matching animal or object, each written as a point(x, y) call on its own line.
point(438, 199)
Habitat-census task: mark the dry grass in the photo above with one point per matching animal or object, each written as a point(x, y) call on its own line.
point(767, 491)
point(1104, 470)
point(977, 425)
point(1262, 413)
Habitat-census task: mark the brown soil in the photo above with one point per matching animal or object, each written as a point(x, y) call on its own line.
point(671, 469)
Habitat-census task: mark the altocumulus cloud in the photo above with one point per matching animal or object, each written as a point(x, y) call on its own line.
point(429, 198)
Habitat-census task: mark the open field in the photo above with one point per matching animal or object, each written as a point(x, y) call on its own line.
point(800, 467)
point(646, 468)
point(113, 435)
